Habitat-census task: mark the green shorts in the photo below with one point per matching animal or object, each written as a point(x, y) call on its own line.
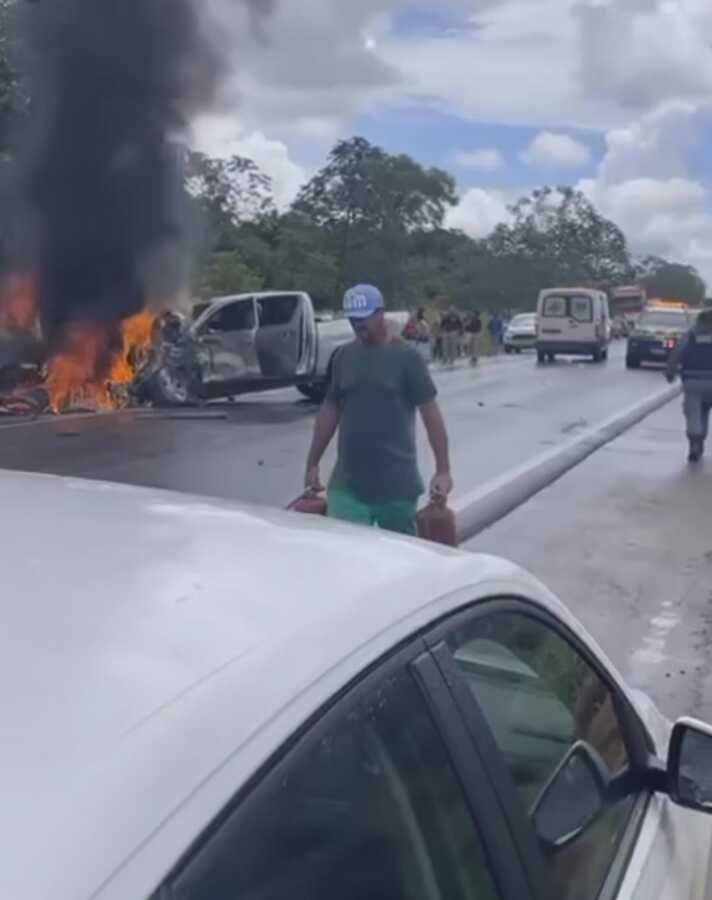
point(396, 515)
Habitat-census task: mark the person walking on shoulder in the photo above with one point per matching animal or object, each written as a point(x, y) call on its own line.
point(424, 339)
point(473, 330)
point(692, 358)
point(451, 329)
point(377, 386)
point(496, 330)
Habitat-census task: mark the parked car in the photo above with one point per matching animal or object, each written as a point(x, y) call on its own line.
point(203, 701)
point(520, 334)
point(244, 343)
point(656, 334)
point(574, 322)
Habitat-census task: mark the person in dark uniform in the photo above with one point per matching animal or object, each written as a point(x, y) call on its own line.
point(692, 359)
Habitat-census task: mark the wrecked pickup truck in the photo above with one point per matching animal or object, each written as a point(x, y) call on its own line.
point(245, 343)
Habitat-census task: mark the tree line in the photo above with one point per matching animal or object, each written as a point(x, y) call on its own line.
point(370, 215)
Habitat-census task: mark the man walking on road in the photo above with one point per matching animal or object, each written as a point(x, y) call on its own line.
point(473, 330)
point(693, 358)
point(496, 330)
point(377, 385)
point(451, 330)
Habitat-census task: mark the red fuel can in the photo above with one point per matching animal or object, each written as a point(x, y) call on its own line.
point(436, 523)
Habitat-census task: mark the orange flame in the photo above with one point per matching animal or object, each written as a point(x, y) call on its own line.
point(136, 336)
point(86, 372)
point(75, 375)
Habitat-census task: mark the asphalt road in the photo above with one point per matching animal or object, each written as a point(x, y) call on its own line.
point(625, 540)
point(499, 415)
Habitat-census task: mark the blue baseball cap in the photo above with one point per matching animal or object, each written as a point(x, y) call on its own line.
point(362, 301)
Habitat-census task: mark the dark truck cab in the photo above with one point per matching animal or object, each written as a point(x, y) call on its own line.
point(656, 334)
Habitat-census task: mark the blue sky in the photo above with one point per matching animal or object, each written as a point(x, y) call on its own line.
point(435, 137)
point(612, 97)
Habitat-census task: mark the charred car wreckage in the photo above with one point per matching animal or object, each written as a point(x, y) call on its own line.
point(228, 346)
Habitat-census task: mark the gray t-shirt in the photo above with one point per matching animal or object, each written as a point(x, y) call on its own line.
point(377, 391)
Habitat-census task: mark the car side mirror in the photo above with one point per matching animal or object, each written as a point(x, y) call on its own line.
point(690, 765)
point(573, 798)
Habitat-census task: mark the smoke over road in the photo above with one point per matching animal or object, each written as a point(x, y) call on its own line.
point(114, 83)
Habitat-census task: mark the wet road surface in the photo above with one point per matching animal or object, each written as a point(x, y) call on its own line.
point(625, 540)
point(499, 416)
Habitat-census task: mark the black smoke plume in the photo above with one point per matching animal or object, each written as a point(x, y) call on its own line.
point(114, 84)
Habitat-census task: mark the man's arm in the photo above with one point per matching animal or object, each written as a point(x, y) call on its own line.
point(324, 430)
point(441, 485)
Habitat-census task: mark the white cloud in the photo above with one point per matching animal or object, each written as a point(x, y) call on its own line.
point(217, 137)
point(643, 184)
point(556, 151)
point(656, 145)
point(315, 60)
point(638, 71)
point(644, 52)
point(516, 62)
point(552, 64)
point(485, 160)
point(479, 212)
point(556, 63)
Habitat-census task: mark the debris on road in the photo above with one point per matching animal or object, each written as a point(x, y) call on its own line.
point(32, 402)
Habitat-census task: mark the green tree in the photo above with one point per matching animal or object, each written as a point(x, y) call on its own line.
point(368, 203)
point(227, 192)
point(556, 237)
point(225, 273)
point(672, 281)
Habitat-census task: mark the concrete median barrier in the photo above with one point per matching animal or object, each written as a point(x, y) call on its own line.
point(482, 507)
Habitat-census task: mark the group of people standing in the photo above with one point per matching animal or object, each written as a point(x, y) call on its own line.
point(454, 336)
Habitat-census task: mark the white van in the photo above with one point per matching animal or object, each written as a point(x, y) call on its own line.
point(573, 321)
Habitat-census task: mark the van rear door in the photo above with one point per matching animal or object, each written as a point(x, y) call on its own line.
point(567, 318)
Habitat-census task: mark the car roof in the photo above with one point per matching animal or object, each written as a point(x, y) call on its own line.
point(157, 648)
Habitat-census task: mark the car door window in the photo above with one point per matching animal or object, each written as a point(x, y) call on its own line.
point(367, 808)
point(278, 310)
point(555, 307)
point(540, 697)
point(581, 308)
point(235, 317)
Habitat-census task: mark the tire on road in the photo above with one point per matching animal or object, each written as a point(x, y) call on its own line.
point(540, 357)
point(170, 387)
point(316, 391)
point(632, 362)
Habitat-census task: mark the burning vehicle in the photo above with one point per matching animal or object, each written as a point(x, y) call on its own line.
point(231, 345)
point(101, 239)
point(245, 343)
